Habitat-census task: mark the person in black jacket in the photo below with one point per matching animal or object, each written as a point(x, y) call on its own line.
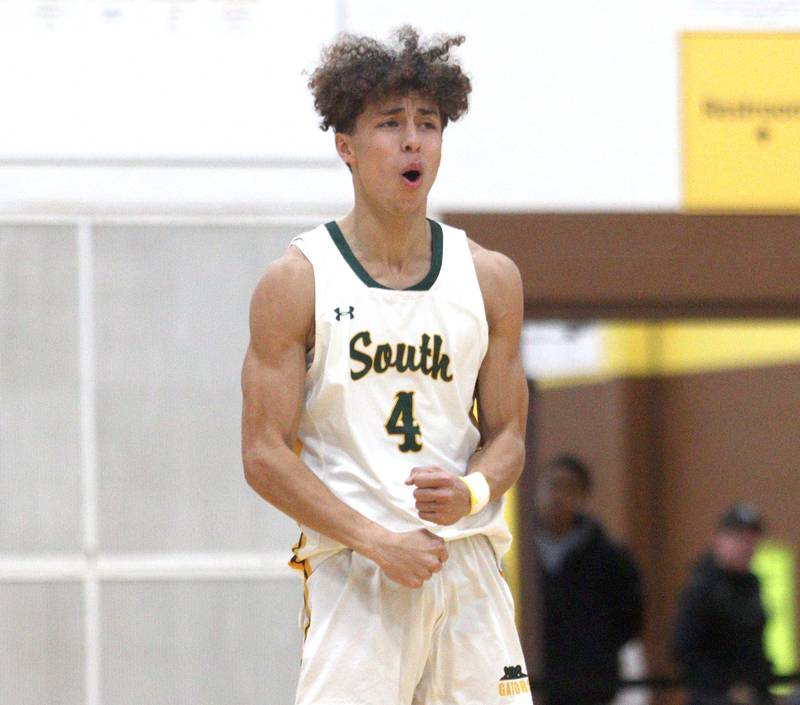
point(591, 594)
point(719, 632)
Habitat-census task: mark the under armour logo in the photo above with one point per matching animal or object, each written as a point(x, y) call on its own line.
point(339, 313)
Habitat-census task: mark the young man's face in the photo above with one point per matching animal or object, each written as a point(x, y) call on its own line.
point(560, 497)
point(394, 152)
point(734, 548)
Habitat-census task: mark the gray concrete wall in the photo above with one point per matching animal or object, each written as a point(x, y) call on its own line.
point(169, 317)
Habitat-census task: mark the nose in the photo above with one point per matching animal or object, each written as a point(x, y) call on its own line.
point(411, 138)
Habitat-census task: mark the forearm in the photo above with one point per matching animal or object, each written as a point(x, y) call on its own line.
point(500, 460)
point(283, 480)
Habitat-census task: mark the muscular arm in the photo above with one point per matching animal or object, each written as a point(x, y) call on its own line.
point(502, 400)
point(502, 388)
point(273, 376)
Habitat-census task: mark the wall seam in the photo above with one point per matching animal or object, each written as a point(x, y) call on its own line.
point(86, 347)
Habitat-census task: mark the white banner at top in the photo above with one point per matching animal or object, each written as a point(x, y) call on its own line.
point(161, 79)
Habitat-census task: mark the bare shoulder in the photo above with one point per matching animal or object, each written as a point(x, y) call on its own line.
point(283, 301)
point(500, 282)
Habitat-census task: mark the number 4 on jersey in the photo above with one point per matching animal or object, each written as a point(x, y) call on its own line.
point(401, 423)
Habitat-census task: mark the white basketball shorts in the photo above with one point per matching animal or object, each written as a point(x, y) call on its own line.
point(371, 641)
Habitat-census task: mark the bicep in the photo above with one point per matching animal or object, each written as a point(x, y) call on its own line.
point(273, 373)
point(272, 394)
point(502, 387)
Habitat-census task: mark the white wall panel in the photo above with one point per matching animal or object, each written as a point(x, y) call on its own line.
point(211, 643)
point(172, 329)
point(39, 401)
point(41, 658)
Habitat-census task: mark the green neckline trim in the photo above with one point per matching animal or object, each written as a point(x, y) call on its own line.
point(426, 283)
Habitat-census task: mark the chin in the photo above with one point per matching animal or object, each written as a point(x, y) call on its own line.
point(399, 208)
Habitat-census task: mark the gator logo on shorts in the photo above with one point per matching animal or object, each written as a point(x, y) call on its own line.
point(513, 682)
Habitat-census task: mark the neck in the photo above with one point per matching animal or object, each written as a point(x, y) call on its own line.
point(558, 528)
point(730, 566)
point(387, 238)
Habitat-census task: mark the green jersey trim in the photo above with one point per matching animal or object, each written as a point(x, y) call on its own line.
point(426, 283)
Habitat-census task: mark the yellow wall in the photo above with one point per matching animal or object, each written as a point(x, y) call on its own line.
point(638, 349)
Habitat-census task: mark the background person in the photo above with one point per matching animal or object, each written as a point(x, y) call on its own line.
point(590, 590)
point(719, 632)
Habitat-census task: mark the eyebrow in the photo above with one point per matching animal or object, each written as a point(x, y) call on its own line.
point(421, 111)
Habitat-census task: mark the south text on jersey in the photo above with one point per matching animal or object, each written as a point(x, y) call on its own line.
point(428, 357)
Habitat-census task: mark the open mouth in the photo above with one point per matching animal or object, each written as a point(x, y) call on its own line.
point(412, 175)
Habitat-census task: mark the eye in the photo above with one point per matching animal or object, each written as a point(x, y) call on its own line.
point(388, 123)
point(432, 124)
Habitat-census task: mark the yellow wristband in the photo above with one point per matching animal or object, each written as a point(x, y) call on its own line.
point(479, 492)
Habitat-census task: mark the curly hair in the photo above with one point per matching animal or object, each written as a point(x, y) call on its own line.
point(357, 70)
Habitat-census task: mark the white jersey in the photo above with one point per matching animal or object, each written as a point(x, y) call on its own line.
point(391, 384)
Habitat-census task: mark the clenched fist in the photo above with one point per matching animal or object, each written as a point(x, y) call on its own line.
point(441, 497)
point(409, 558)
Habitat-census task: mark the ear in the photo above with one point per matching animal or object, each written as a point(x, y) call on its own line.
point(344, 147)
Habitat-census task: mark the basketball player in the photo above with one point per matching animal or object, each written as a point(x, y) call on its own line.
point(370, 338)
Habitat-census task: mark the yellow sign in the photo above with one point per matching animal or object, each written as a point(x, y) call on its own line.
point(741, 121)
point(775, 567)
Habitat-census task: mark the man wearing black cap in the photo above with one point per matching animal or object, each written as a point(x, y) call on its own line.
point(719, 633)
